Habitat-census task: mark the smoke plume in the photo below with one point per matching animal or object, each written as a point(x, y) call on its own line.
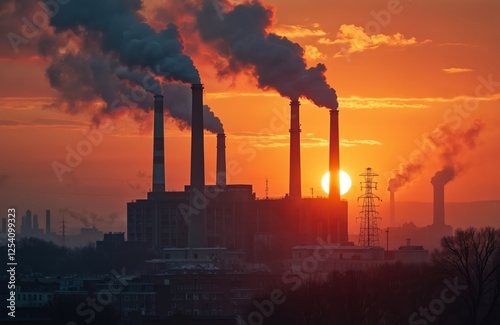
point(123, 31)
point(443, 176)
point(104, 59)
point(88, 218)
point(444, 144)
point(240, 36)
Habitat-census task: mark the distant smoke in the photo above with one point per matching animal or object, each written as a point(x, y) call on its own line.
point(443, 176)
point(445, 144)
point(240, 36)
point(88, 218)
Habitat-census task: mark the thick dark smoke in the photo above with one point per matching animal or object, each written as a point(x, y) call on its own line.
point(240, 35)
point(122, 30)
point(88, 218)
point(444, 144)
point(104, 52)
point(443, 176)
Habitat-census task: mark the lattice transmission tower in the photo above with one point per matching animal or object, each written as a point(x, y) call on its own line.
point(369, 231)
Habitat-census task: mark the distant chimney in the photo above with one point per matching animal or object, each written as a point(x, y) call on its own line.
point(197, 236)
point(438, 181)
point(221, 160)
point(295, 181)
point(47, 222)
point(438, 203)
point(334, 193)
point(158, 147)
point(392, 213)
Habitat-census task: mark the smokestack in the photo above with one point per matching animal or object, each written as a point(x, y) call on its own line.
point(392, 213)
point(158, 147)
point(197, 236)
point(334, 193)
point(438, 204)
point(221, 160)
point(47, 222)
point(438, 181)
point(295, 181)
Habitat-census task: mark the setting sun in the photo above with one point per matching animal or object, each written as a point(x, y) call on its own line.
point(345, 182)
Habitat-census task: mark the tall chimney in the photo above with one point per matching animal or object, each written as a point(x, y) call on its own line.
point(47, 222)
point(438, 202)
point(295, 182)
point(197, 236)
point(221, 160)
point(392, 212)
point(158, 147)
point(334, 193)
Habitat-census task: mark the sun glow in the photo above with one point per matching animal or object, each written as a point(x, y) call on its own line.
point(345, 182)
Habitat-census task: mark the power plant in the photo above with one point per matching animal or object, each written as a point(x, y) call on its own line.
point(431, 234)
point(229, 216)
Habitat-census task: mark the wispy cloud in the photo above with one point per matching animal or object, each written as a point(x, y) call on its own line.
point(297, 31)
point(265, 141)
point(354, 39)
point(396, 102)
point(457, 44)
point(457, 70)
point(69, 124)
point(354, 143)
point(225, 95)
point(24, 103)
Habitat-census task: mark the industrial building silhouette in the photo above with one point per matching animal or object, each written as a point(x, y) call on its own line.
point(230, 215)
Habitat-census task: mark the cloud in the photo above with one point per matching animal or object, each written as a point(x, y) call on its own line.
point(313, 53)
point(354, 143)
point(259, 140)
point(457, 70)
point(24, 103)
point(355, 102)
point(68, 124)
point(457, 44)
point(354, 39)
point(297, 31)
point(225, 95)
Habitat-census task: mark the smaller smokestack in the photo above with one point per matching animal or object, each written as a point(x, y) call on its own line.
point(334, 193)
point(295, 191)
point(221, 160)
point(438, 204)
point(158, 147)
point(392, 213)
point(47, 222)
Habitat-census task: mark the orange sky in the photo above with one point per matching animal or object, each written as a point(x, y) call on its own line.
point(394, 87)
